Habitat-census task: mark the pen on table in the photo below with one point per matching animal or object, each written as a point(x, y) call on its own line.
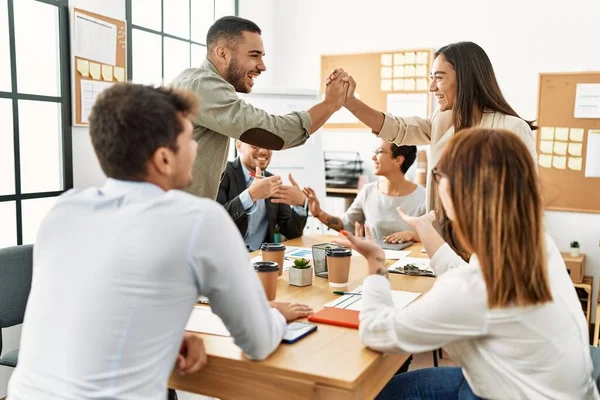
point(342, 292)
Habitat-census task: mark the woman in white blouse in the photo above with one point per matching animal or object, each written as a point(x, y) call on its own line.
point(510, 318)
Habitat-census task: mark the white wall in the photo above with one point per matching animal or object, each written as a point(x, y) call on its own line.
point(522, 38)
point(86, 169)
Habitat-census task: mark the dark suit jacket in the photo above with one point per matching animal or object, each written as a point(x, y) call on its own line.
point(233, 183)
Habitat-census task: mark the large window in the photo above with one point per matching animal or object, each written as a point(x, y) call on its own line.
point(167, 36)
point(35, 131)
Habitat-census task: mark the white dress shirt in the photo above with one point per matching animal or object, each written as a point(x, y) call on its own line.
point(117, 271)
point(536, 352)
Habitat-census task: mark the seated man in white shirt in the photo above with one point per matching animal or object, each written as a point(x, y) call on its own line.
point(118, 269)
point(257, 201)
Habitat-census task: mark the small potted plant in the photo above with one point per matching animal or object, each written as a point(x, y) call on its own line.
point(574, 248)
point(301, 273)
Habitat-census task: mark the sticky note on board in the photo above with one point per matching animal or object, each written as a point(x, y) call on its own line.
point(575, 163)
point(560, 148)
point(398, 84)
point(421, 70)
point(95, 70)
point(386, 85)
point(398, 71)
point(386, 72)
point(107, 72)
point(559, 162)
point(119, 74)
point(422, 57)
point(409, 84)
point(547, 146)
point(547, 133)
point(410, 57)
point(545, 161)
point(561, 134)
point(576, 135)
point(575, 149)
point(83, 66)
point(398, 59)
point(386, 59)
point(409, 70)
point(422, 84)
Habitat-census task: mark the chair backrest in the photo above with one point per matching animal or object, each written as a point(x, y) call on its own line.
point(16, 267)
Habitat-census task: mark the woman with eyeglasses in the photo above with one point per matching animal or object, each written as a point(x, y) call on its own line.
point(511, 318)
point(468, 95)
point(376, 202)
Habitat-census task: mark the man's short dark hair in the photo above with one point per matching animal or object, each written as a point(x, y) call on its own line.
point(408, 152)
point(229, 29)
point(129, 122)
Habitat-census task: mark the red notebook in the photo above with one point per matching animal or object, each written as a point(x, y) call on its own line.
point(336, 316)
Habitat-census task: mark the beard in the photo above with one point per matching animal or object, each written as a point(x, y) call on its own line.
point(236, 77)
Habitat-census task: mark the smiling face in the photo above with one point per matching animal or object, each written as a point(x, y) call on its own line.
point(246, 62)
point(252, 156)
point(384, 161)
point(443, 82)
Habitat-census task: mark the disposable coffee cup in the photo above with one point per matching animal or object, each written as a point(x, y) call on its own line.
point(267, 273)
point(274, 252)
point(338, 266)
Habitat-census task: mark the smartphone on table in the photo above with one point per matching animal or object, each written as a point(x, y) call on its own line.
point(297, 330)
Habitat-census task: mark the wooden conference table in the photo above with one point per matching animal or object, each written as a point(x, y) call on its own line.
point(330, 363)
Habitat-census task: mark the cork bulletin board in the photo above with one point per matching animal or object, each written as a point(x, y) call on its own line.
point(391, 81)
point(568, 140)
point(99, 54)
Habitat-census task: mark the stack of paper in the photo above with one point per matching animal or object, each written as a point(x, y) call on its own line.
point(421, 263)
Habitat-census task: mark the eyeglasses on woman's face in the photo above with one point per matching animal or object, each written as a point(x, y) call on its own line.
point(379, 151)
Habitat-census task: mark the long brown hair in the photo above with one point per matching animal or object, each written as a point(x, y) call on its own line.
point(476, 84)
point(496, 196)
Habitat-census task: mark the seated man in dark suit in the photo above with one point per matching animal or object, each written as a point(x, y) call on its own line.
point(257, 202)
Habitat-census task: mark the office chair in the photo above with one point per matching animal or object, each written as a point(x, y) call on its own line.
point(16, 267)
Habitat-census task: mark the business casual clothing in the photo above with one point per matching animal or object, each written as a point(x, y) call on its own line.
point(438, 129)
point(256, 220)
point(379, 210)
point(223, 115)
point(117, 271)
point(505, 353)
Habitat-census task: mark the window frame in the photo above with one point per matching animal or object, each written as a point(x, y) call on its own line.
point(64, 100)
point(131, 26)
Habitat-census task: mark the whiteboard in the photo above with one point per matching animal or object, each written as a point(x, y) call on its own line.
point(305, 162)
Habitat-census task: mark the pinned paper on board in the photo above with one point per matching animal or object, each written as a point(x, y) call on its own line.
point(575, 149)
point(386, 72)
point(575, 163)
point(560, 148)
point(559, 162)
point(386, 85)
point(547, 146)
point(576, 135)
point(561, 134)
point(587, 100)
point(119, 74)
point(95, 70)
point(547, 133)
point(592, 162)
point(398, 59)
point(410, 57)
point(386, 59)
point(83, 66)
point(398, 84)
point(545, 161)
point(422, 84)
point(107, 73)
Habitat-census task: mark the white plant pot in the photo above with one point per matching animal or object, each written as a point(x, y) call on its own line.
point(301, 277)
point(574, 251)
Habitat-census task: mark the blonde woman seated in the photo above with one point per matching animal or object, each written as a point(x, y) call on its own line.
point(376, 202)
point(510, 318)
